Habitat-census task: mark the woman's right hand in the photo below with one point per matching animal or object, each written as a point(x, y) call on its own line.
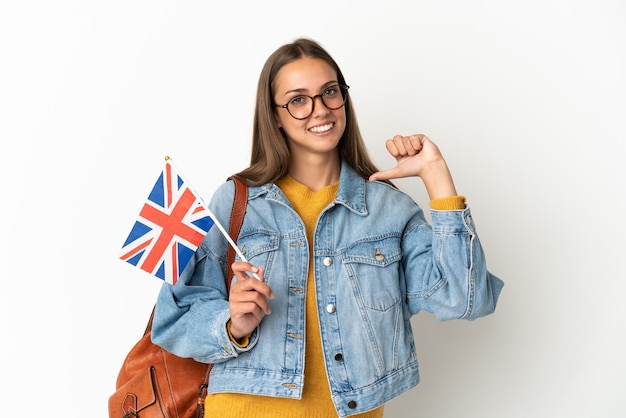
point(248, 300)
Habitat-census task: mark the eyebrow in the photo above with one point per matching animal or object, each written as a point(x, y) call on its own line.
point(327, 84)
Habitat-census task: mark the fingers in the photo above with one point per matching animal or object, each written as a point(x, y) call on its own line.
point(405, 146)
point(249, 278)
point(248, 303)
point(248, 299)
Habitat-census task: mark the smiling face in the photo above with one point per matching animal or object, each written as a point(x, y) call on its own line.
point(320, 132)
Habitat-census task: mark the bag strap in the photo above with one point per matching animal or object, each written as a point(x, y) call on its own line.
point(236, 220)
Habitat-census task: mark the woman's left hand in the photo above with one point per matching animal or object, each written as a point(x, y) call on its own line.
point(417, 155)
point(413, 153)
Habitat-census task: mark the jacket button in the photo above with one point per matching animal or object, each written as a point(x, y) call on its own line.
point(352, 404)
point(338, 357)
point(330, 308)
point(328, 261)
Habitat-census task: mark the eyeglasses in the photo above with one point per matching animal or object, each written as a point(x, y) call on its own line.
point(301, 107)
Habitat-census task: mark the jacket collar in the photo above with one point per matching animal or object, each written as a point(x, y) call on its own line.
point(351, 193)
point(352, 189)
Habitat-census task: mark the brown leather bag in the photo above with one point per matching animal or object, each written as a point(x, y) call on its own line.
point(154, 383)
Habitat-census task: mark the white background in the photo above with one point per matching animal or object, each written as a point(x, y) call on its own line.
point(527, 101)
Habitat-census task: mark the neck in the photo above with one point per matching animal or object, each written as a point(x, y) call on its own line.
point(316, 173)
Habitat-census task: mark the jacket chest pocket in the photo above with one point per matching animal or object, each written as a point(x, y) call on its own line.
point(259, 247)
point(373, 267)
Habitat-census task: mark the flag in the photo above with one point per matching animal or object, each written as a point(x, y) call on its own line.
point(170, 227)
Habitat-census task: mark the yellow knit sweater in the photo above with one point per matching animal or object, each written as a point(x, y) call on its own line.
point(316, 401)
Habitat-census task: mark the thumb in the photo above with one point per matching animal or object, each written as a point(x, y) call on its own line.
point(385, 174)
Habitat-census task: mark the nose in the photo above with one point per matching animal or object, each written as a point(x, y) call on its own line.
point(323, 107)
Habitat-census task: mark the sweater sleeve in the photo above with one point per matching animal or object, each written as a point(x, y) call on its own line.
point(448, 203)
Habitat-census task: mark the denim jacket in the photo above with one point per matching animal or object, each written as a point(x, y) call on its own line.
point(377, 262)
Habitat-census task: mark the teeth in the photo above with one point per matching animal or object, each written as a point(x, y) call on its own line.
point(320, 129)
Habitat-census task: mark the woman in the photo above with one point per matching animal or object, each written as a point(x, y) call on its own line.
point(343, 257)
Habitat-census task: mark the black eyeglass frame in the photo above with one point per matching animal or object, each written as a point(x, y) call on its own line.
point(344, 94)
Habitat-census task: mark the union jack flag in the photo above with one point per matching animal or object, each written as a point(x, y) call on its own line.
point(171, 225)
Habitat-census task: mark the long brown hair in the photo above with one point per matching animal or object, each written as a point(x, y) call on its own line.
point(270, 156)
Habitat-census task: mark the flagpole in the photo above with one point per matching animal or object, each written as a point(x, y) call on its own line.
point(215, 221)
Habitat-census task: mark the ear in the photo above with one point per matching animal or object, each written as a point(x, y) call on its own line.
point(277, 120)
